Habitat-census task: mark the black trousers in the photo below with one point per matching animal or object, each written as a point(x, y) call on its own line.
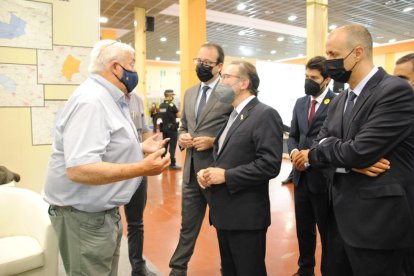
point(345, 260)
point(193, 209)
point(173, 135)
point(311, 210)
point(242, 252)
point(409, 262)
point(134, 213)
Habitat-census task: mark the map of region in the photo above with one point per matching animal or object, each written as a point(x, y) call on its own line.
point(20, 22)
point(18, 86)
point(63, 65)
point(43, 122)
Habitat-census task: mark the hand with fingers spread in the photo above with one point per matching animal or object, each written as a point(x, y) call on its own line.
point(378, 168)
point(203, 143)
point(185, 140)
point(152, 144)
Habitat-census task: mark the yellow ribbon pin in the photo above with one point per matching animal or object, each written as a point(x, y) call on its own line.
point(326, 101)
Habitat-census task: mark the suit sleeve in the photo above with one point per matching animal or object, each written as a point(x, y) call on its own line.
point(294, 134)
point(268, 140)
point(389, 123)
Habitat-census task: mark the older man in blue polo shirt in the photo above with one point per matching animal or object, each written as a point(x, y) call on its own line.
point(97, 163)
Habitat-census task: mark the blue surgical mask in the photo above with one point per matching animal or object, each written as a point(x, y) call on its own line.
point(225, 93)
point(129, 79)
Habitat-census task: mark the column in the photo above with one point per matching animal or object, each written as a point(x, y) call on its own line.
point(192, 36)
point(141, 53)
point(317, 27)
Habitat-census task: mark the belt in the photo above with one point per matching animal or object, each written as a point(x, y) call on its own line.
point(114, 210)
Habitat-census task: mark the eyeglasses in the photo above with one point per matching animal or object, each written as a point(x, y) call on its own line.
point(205, 63)
point(227, 76)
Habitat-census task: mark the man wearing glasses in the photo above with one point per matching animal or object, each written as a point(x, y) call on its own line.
point(202, 117)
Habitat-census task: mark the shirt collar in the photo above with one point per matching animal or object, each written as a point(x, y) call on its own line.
point(243, 104)
point(358, 89)
point(211, 85)
point(114, 91)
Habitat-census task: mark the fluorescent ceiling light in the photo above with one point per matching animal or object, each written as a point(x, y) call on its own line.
point(103, 19)
point(408, 9)
point(163, 39)
point(280, 38)
point(243, 21)
point(332, 27)
point(241, 6)
point(292, 18)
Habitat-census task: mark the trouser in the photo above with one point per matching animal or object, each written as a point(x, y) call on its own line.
point(173, 135)
point(345, 260)
point(242, 252)
point(89, 243)
point(134, 213)
point(311, 210)
point(409, 262)
point(193, 209)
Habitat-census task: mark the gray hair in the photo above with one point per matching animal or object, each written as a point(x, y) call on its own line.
point(106, 51)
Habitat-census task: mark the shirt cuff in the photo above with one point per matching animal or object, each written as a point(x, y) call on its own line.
point(290, 155)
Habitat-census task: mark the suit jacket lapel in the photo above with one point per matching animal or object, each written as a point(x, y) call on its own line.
point(364, 95)
point(212, 100)
point(238, 121)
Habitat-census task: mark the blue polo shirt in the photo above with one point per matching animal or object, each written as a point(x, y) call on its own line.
point(94, 126)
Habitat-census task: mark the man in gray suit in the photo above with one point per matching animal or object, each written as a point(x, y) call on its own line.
point(202, 117)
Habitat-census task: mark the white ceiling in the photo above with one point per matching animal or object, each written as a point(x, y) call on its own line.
point(261, 23)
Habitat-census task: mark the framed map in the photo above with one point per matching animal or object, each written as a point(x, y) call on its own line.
point(43, 122)
point(25, 24)
point(18, 86)
point(63, 65)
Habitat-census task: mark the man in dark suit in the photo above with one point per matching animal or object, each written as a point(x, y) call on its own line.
point(372, 220)
point(247, 154)
point(202, 117)
point(311, 188)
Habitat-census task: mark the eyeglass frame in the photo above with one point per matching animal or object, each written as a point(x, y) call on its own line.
point(205, 63)
point(227, 76)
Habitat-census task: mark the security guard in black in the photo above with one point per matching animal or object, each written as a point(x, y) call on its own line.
point(169, 126)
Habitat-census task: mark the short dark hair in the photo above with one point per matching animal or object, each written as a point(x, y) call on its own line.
point(220, 51)
point(406, 58)
point(248, 70)
point(318, 63)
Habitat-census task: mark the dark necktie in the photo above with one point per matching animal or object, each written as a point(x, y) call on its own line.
point(202, 102)
point(223, 135)
point(312, 111)
point(348, 110)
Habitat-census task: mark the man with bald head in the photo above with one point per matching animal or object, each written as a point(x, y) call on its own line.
point(368, 132)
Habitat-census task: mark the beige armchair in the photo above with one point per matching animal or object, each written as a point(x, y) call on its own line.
point(28, 243)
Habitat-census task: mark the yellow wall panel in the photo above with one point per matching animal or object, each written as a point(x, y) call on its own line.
point(59, 92)
point(17, 55)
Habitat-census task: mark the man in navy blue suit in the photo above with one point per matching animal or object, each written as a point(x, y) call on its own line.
point(371, 221)
point(311, 189)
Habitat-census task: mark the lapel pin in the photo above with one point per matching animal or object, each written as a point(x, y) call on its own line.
point(326, 101)
point(241, 117)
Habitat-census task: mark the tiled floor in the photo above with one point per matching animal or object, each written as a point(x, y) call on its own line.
point(162, 225)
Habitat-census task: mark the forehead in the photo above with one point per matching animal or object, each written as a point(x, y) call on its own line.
point(336, 42)
point(313, 72)
point(231, 69)
point(209, 53)
point(404, 68)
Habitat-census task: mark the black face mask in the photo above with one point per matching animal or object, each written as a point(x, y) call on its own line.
point(312, 88)
point(336, 70)
point(204, 73)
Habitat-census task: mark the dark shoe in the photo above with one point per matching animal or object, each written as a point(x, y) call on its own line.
point(175, 272)
point(175, 167)
point(144, 272)
point(287, 181)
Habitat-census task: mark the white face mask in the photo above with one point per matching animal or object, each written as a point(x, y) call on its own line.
point(225, 93)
